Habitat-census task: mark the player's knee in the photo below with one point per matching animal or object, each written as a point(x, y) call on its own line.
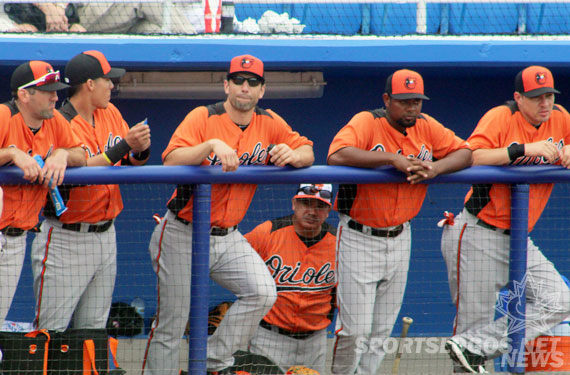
point(267, 295)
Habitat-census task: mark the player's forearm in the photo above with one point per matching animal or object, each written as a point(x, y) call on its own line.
point(455, 161)
point(306, 156)
point(491, 156)
point(75, 156)
point(355, 157)
point(7, 155)
point(189, 155)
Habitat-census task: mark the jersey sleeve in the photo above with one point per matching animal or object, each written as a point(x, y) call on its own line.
point(190, 132)
point(5, 116)
point(487, 134)
point(66, 137)
point(285, 134)
point(351, 135)
point(565, 123)
point(444, 140)
point(258, 238)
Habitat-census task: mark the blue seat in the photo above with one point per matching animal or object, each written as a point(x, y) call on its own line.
point(494, 18)
point(344, 19)
point(548, 18)
point(400, 19)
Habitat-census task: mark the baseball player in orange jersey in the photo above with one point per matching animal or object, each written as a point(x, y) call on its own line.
point(231, 133)
point(299, 251)
point(30, 126)
point(530, 130)
point(374, 237)
point(84, 236)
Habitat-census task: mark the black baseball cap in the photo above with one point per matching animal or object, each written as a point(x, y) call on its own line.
point(535, 81)
point(90, 65)
point(36, 74)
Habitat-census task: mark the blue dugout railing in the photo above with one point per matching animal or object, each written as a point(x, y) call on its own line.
point(202, 177)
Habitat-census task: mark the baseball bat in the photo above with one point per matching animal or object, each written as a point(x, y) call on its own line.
point(406, 322)
point(56, 198)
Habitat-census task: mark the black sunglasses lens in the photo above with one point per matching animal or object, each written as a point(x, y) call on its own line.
point(252, 82)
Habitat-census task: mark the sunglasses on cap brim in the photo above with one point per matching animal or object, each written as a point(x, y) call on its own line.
point(46, 79)
point(251, 81)
point(313, 190)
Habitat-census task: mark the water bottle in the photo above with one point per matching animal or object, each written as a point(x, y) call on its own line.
point(138, 304)
point(228, 13)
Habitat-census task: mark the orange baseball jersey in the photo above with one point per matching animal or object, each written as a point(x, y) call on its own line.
point(384, 205)
point(501, 127)
point(229, 201)
point(22, 204)
point(304, 271)
point(93, 203)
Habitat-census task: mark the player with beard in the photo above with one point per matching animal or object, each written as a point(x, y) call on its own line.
point(374, 236)
point(230, 133)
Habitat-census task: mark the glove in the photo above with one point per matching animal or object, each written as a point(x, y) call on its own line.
point(303, 370)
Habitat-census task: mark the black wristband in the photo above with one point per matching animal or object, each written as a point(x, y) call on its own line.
point(143, 155)
point(116, 153)
point(515, 151)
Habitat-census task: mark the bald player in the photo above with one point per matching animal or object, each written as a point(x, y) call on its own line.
point(231, 133)
point(31, 126)
point(299, 250)
point(74, 255)
point(529, 130)
point(374, 236)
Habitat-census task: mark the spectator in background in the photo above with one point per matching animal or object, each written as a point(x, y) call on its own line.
point(136, 18)
point(31, 126)
point(299, 250)
point(43, 17)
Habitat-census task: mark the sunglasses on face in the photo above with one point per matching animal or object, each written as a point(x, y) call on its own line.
point(252, 81)
point(313, 190)
point(46, 79)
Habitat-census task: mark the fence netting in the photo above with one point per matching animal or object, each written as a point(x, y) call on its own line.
point(377, 280)
point(290, 17)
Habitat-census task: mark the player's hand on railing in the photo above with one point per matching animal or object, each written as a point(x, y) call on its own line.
point(138, 137)
point(27, 164)
point(226, 154)
point(542, 148)
point(419, 170)
point(564, 156)
point(282, 155)
point(54, 169)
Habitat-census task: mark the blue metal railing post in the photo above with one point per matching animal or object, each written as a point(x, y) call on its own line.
point(517, 280)
point(200, 290)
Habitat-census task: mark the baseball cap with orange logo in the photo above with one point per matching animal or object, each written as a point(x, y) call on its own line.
point(535, 81)
point(246, 64)
point(36, 74)
point(405, 84)
point(322, 192)
point(90, 65)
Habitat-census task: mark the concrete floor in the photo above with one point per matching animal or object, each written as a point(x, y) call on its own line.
point(417, 359)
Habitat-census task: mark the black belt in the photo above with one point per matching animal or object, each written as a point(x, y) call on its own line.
point(374, 231)
point(294, 335)
point(214, 231)
point(13, 232)
point(92, 228)
point(483, 224)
